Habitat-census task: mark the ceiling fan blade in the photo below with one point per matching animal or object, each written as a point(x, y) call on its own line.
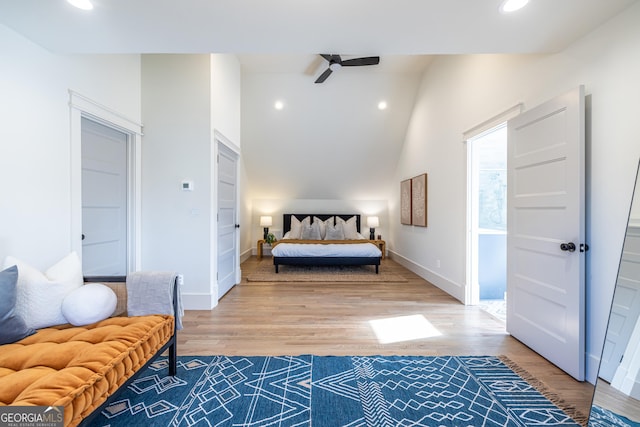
point(370, 60)
point(324, 75)
point(334, 58)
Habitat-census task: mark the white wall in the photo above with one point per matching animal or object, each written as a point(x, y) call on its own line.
point(176, 112)
point(634, 214)
point(225, 96)
point(185, 99)
point(458, 92)
point(35, 186)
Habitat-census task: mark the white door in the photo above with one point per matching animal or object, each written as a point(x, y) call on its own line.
point(104, 200)
point(227, 222)
point(545, 277)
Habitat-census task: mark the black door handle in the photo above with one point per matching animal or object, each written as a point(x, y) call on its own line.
point(237, 225)
point(568, 246)
point(82, 236)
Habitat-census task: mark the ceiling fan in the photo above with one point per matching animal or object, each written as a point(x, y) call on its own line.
point(335, 63)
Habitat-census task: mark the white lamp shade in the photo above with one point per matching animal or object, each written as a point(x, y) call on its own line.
point(266, 221)
point(373, 221)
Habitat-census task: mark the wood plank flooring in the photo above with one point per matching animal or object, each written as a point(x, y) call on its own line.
point(259, 318)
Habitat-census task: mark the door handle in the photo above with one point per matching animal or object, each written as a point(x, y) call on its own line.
point(237, 225)
point(570, 247)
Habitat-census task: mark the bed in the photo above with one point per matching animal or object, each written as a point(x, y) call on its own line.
point(324, 239)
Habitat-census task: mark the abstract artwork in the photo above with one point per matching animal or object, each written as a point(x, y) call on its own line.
point(405, 202)
point(419, 200)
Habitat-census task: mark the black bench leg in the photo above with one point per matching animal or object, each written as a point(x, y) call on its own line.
point(173, 358)
point(277, 268)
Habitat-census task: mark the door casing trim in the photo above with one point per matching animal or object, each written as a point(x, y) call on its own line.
point(81, 106)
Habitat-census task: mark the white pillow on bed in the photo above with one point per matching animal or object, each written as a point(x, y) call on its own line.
point(323, 225)
point(334, 232)
point(296, 227)
point(349, 227)
point(311, 232)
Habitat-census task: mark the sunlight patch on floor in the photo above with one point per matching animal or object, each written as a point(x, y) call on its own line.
point(403, 328)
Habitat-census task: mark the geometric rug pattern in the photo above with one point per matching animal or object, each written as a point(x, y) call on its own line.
point(329, 391)
point(601, 417)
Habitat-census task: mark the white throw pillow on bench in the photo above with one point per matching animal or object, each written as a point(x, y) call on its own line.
point(39, 295)
point(88, 304)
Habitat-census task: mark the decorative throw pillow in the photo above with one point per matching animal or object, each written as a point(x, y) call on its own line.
point(12, 326)
point(323, 225)
point(88, 304)
point(349, 227)
point(296, 227)
point(311, 232)
point(334, 232)
point(39, 295)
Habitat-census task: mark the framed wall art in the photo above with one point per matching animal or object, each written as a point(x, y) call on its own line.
point(405, 202)
point(419, 200)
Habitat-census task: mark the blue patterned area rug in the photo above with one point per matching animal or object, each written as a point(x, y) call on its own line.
point(327, 391)
point(601, 417)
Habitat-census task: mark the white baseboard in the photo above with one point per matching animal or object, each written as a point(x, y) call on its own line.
point(246, 255)
point(192, 301)
point(456, 290)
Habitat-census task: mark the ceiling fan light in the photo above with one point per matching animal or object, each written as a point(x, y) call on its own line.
point(508, 6)
point(81, 4)
point(335, 66)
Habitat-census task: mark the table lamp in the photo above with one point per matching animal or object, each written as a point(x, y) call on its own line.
point(372, 222)
point(266, 222)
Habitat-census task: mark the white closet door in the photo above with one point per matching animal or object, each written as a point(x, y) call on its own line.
point(104, 200)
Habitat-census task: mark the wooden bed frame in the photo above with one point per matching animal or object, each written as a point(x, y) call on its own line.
point(277, 261)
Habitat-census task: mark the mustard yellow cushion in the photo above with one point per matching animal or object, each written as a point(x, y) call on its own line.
point(79, 367)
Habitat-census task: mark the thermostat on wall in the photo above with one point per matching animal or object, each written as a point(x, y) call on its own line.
point(187, 185)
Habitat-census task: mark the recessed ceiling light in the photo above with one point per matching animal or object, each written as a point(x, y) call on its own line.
point(279, 105)
point(512, 5)
point(81, 4)
point(382, 105)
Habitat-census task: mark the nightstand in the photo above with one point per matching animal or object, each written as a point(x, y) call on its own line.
point(382, 245)
point(259, 246)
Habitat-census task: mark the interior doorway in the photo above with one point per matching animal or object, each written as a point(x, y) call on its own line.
point(82, 108)
point(227, 248)
point(105, 192)
point(487, 218)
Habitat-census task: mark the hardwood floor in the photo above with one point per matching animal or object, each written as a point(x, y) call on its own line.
point(258, 318)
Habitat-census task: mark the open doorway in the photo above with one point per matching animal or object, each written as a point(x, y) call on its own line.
point(487, 218)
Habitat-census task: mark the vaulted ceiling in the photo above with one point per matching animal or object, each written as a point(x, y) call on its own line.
point(329, 140)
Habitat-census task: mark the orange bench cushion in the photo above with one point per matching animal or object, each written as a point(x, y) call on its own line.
point(79, 367)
